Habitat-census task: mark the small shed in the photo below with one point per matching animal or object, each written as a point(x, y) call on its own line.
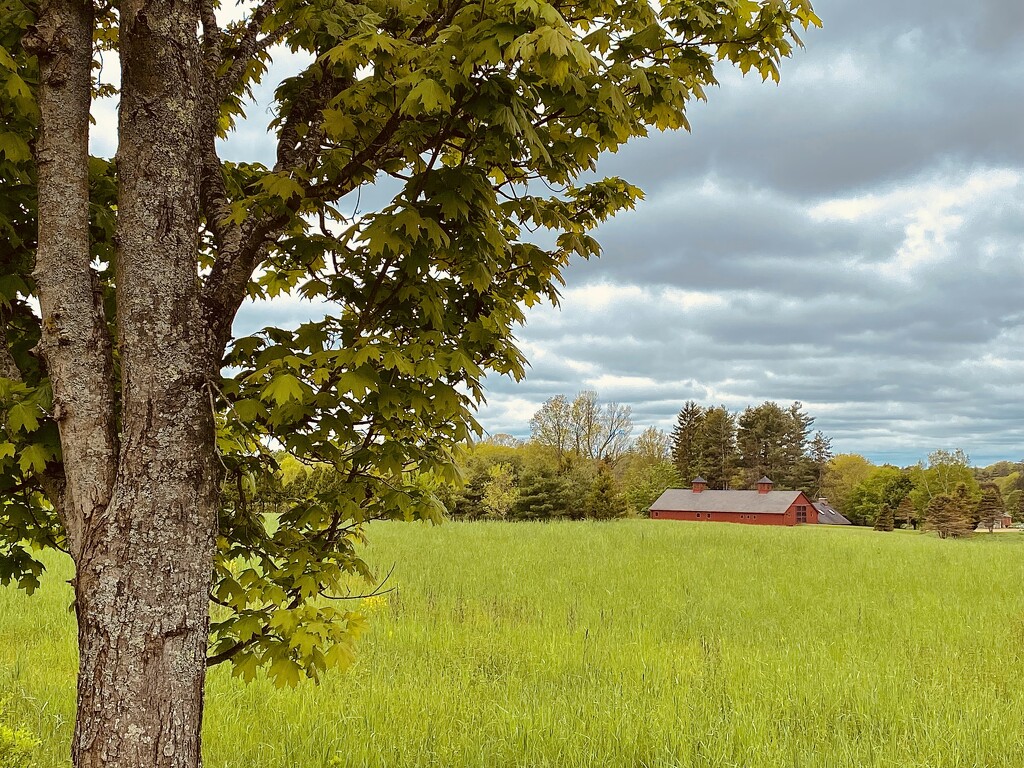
point(829, 515)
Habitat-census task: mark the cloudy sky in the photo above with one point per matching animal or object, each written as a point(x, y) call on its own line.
point(852, 238)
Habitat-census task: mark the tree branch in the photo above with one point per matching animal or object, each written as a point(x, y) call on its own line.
point(249, 46)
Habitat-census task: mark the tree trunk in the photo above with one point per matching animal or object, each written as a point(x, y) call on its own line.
point(144, 572)
point(142, 597)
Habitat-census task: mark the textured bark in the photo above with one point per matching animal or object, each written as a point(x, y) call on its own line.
point(143, 580)
point(75, 340)
point(8, 368)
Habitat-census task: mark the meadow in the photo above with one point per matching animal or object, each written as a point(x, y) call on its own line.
point(632, 643)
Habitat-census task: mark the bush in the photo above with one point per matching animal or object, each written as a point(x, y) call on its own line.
point(16, 744)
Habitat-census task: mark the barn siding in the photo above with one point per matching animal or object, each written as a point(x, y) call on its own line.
point(765, 518)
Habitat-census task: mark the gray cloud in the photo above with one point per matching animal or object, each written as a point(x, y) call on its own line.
point(851, 238)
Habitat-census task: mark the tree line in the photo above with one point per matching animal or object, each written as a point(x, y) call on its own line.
point(582, 461)
point(733, 450)
point(945, 493)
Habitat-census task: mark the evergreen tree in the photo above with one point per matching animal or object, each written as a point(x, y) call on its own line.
point(885, 520)
point(543, 495)
point(906, 514)
point(718, 457)
point(819, 454)
point(990, 508)
point(949, 515)
point(604, 502)
point(687, 440)
point(939, 515)
point(964, 509)
point(772, 441)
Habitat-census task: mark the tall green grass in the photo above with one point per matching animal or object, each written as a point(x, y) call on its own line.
point(635, 643)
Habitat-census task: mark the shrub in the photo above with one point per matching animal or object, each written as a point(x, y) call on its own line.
point(17, 744)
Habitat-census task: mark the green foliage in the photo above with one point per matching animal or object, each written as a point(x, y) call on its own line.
point(886, 518)
point(875, 499)
point(842, 474)
point(480, 110)
point(949, 515)
point(500, 491)
point(644, 481)
point(544, 494)
point(942, 475)
point(604, 502)
point(582, 429)
point(990, 507)
point(731, 451)
point(17, 744)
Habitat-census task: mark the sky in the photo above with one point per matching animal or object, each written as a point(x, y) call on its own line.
point(852, 238)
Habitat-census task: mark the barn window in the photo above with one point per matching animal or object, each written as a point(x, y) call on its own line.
point(801, 514)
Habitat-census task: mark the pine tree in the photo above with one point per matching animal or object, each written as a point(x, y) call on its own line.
point(717, 448)
point(604, 501)
point(906, 514)
point(542, 496)
point(686, 440)
point(964, 508)
point(939, 515)
point(885, 519)
point(949, 515)
point(990, 507)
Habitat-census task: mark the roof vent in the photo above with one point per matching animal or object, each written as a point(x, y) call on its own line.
point(699, 484)
point(764, 485)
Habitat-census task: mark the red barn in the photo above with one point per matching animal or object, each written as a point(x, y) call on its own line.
point(761, 507)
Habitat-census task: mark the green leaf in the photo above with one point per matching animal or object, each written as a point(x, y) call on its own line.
point(14, 147)
point(23, 416)
point(16, 87)
point(427, 97)
point(6, 61)
point(245, 666)
point(285, 672)
point(282, 388)
point(33, 458)
point(281, 185)
point(249, 410)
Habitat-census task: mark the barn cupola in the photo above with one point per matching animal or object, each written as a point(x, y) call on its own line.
point(699, 484)
point(764, 485)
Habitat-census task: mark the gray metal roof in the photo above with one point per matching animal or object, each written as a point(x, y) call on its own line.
point(829, 515)
point(685, 500)
point(765, 479)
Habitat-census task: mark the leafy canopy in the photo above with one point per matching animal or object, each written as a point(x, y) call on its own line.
point(489, 113)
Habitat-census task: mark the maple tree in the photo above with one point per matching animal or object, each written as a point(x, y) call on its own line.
point(136, 425)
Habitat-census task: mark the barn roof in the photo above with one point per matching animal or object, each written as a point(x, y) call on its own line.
point(685, 500)
point(829, 515)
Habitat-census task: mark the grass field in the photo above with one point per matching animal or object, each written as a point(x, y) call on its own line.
point(635, 643)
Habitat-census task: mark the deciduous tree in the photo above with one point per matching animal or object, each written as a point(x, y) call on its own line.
point(944, 471)
point(128, 404)
point(842, 474)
